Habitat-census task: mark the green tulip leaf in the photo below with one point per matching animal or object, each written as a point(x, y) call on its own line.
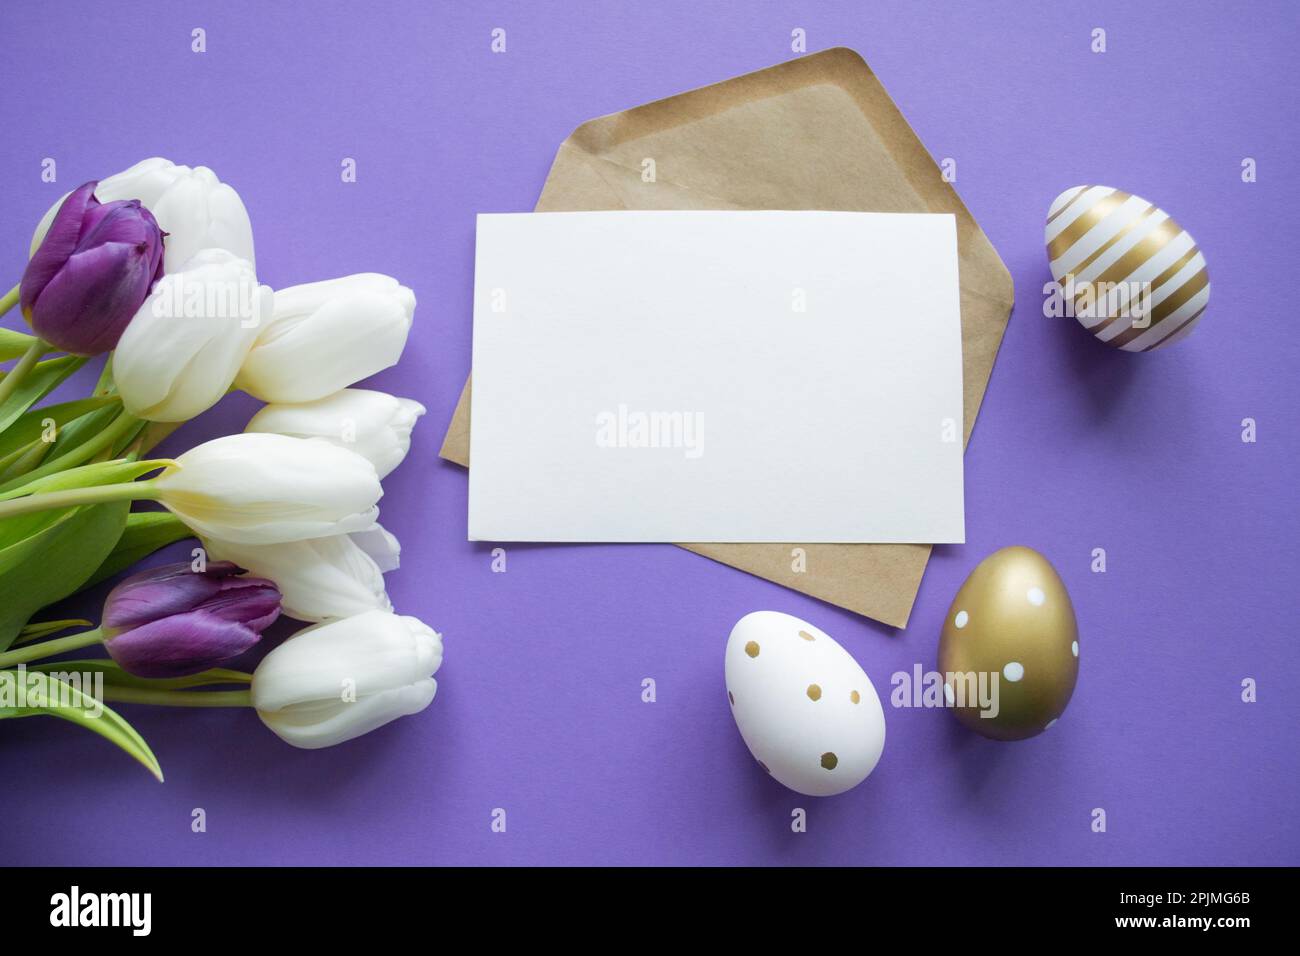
point(48, 555)
point(136, 436)
point(102, 434)
point(24, 461)
point(44, 378)
point(21, 527)
point(35, 424)
point(14, 344)
point(7, 461)
point(145, 533)
point(79, 431)
point(40, 630)
point(44, 695)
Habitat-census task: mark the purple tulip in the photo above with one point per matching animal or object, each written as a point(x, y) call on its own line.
point(172, 621)
point(91, 272)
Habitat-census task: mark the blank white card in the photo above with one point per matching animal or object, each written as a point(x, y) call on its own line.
point(716, 377)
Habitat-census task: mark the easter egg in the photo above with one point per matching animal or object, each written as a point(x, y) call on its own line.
point(805, 708)
point(1009, 650)
point(1132, 276)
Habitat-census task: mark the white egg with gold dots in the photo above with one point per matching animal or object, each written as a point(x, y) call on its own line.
point(806, 709)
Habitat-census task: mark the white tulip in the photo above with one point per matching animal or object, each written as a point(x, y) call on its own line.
point(320, 579)
point(181, 351)
point(199, 211)
point(325, 336)
point(383, 548)
point(373, 424)
point(339, 680)
point(195, 209)
point(265, 489)
point(146, 181)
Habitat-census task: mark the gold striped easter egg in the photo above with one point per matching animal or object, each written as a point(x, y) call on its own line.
point(1128, 272)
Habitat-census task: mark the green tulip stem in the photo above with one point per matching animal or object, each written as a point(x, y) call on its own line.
point(74, 497)
point(43, 649)
point(24, 365)
point(10, 299)
point(178, 698)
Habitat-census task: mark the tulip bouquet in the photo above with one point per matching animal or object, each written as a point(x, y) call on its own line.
point(154, 266)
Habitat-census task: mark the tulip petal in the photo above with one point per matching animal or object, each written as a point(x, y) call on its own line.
point(180, 645)
point(145, 181)
point(245, 600)
point(86, 306)
point(375, 652)
point(127, 222)
point(91, 272)
point(59, 243)
point(302, 300)
point(326, 336)
point(198, 211)
point(264, 489)
point(382, 546)
point(387, 661)
point(181, 351)
point(163, 591)
point(311, 728)
point(319, 579)
point(374, 424)
point(171, 620)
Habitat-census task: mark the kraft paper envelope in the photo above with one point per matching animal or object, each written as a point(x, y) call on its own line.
point(819, 132)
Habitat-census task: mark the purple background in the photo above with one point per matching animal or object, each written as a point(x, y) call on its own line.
point(539, 707)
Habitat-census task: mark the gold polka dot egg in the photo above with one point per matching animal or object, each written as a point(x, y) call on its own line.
point(1009, 651)
point(1127, 271)
point(805, 708)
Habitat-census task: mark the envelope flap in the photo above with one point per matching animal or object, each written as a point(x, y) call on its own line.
point(819, 132)
point(582, 182)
